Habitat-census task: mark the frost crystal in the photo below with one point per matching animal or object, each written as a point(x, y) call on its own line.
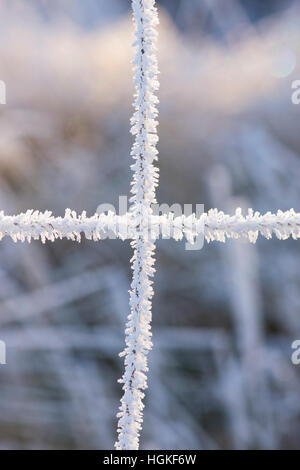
point(144, 152)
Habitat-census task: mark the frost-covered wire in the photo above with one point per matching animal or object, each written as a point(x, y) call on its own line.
point(214, 225)
point(219, 226)
point(145, 177)
point(45, 226)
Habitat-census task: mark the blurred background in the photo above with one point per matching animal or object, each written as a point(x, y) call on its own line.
point(224, 318)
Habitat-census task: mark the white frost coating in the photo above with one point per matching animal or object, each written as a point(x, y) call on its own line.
point(217, 226)
point(145, 177)
point(43, 225)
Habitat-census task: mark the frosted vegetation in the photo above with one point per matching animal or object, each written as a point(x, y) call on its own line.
point(67, 145)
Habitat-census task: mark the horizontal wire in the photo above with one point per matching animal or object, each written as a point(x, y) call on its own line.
point(214, 225)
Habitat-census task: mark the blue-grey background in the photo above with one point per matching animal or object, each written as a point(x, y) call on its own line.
point(224, 317)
